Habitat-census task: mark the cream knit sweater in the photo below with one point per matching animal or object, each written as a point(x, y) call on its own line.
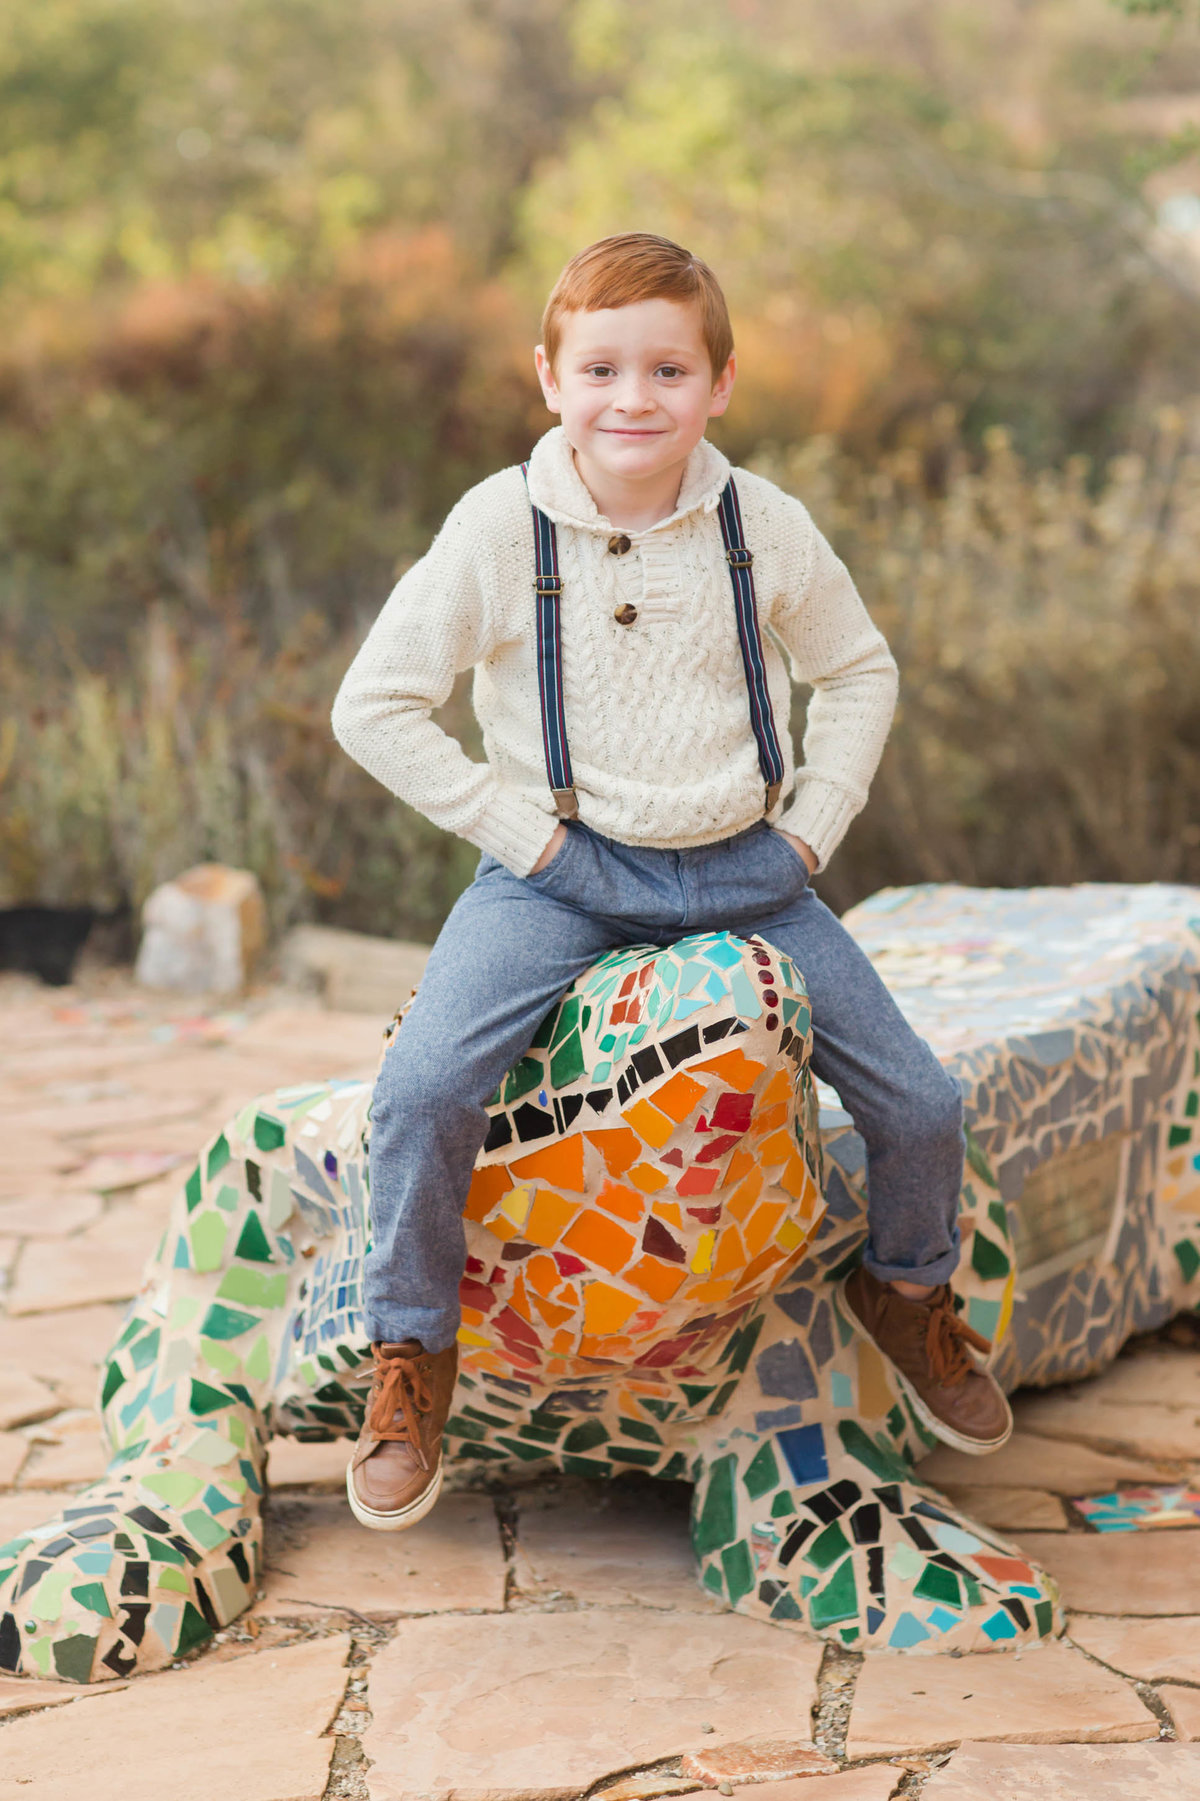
point(658, 719)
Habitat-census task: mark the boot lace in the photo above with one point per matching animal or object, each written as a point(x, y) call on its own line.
point(946, 1339)
point(401, 1392)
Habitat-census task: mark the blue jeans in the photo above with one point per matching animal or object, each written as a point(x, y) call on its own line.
point(508, 952)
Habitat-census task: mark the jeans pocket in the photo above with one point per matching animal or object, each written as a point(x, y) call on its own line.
point(553, 869)
point(793, 856)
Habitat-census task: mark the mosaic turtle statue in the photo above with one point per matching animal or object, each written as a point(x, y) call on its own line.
point(653, 1247)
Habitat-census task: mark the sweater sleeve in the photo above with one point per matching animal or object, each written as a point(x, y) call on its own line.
point(834, 646)
point(441, 618)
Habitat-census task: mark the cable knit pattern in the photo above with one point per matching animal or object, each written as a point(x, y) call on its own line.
point(658, 717)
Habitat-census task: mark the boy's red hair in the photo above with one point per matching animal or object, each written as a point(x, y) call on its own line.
point(632, 266)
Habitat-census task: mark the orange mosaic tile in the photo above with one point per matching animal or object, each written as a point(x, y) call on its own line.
point(730, 1252)
point(794, 1178)
point(670, 1211)
point(778, 1091)
point(600, 1241)
point(549, 1218)
point(740, 1204)
point(649, 1123)
point(552, 1312)
point(605, 1309)
point(626, 1203)
point(678, 1097)
point(762, 1225)
point(560, 1163)
point(762, 1263)
point(739, 1165)
point(740, 1071)
point(647, 1178)
point(541, 1273)
point(519, 1301)
point(776, 1149)
point(488, 1186)
point(619, 1147)
point(659, 1280)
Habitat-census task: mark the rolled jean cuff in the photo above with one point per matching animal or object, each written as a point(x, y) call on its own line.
point(927, 1275)
point(433, 1326)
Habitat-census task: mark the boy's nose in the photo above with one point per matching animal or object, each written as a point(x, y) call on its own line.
point(635, 398)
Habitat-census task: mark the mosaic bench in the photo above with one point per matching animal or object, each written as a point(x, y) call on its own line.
point(652, 1245)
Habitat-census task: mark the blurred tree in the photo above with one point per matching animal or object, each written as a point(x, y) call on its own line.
point(1015, 270)
point(253, 139)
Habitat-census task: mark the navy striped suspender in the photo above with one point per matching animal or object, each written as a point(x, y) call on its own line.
point(740, 560)
point(547, 590)
point(547, 594)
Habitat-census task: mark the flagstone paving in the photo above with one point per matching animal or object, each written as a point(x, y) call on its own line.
point(320, 1560)
point(1183, 1705)
point(1050, 1694)
point(1069, 1773)
point(549, 1636)
point(204, 1733)
point(1129, 1572)
point(1152, 1650)
point(535, 1705)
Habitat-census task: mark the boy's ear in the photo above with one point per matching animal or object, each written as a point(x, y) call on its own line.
point(545, 375)
point(723, 389)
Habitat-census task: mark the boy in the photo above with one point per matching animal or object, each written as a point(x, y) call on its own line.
point(635, 790)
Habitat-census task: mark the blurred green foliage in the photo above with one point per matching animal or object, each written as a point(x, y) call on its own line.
point(270, 272)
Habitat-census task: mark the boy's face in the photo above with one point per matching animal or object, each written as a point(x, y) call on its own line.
point(634, 386)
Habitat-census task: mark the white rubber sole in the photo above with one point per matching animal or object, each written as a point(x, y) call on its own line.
point(974, 1447)
point(404, 1517)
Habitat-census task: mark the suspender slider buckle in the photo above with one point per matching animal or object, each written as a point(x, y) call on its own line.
point(738, 557)
point(548, 584)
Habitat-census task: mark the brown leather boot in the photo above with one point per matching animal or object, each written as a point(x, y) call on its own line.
point(395, 1475)
point(926, 1344)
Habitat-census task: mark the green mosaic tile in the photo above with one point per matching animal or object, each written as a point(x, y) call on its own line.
point(827, 1547)
point(526, 1076)
point(837, 1601)
point(716, 1524)
point(567, 1062)
point(252, 1241)
point(987, 1259)
point(218, 1156)
point(738, 1569)
point(761, 1475)
point(269, 1133)
point(939, 1584)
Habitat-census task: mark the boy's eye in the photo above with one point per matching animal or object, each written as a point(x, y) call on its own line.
point(601, 369)
point(669, 369)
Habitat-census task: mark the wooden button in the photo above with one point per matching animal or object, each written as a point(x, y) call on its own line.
point(625, 615)
point(619, 544)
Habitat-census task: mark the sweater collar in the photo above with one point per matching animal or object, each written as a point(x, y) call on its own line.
point(556, 487)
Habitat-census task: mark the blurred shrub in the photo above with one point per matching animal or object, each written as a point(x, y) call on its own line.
point(205, 749)
point(1045, 626)
point(254, 140)
point(249, 455)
